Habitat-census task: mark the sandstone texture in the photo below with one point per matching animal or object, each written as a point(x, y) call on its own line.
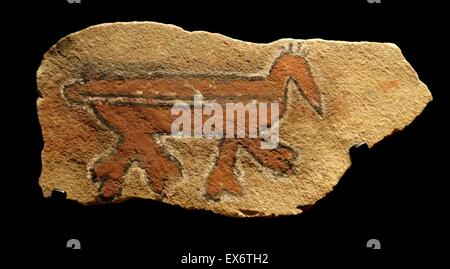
point(105, 98)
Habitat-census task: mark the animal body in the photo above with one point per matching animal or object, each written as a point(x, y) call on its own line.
point(138, 109)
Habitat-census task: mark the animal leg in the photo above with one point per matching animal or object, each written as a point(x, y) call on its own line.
point(111, 170)
point(156, 163)
point(222, 177)
point(279, 158)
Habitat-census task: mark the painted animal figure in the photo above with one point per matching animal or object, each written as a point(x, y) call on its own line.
point(138, 109)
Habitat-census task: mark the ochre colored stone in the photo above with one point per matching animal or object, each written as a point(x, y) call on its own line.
point(105, 102)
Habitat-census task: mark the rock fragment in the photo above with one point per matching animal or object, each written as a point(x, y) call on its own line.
point(108, 93)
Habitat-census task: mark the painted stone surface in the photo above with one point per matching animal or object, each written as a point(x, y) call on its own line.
point(107, 95)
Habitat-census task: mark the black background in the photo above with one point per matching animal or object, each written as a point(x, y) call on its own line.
point(392, 192)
